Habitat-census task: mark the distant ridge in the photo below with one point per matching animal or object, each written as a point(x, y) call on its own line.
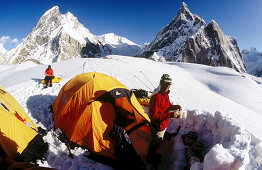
point(189, 39)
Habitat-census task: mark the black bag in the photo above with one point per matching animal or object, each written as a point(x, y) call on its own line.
point(124, 150)
point(140, 93)
point(156, 125)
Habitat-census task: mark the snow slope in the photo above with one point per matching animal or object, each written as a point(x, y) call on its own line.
point(119, 45)
point(222, 105)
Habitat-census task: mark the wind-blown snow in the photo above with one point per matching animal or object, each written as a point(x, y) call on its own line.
point(222, 105)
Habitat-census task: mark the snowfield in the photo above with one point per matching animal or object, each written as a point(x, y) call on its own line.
point(222, 105)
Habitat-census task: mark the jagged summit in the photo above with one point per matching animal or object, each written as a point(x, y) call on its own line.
point(184, 5)
point(214, 25)
point(213, 22)
point(52, 12)
point(59, 36)
point(171, 37)
point(189, 39)
point(184, 12)
point(184, 9)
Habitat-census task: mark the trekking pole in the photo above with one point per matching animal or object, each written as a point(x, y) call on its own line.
point(147, 78)
point(143, 82)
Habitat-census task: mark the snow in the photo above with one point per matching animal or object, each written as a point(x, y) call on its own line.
point(119, 45)
point(222, 105)
point(111, 38)
point(156, 57)
point(59, 36)
point(253, 61)
point(76, 30)
point(218, 157)
point(2, 49)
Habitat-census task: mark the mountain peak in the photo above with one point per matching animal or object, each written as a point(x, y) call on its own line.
point(184, 12)
point(253, 50)
point(184, 6)
point(214, 26)
point(213, 22)
point(189, 39)
point(113, 39)
point(111, 34)
point(52, 11)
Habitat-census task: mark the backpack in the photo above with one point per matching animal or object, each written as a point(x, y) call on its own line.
point(140, 93)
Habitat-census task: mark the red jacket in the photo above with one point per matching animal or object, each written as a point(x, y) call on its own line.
point(158, 109)
point(49, 72)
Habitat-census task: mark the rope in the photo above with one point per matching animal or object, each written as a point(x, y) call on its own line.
point(142, 82)
point(147, 78)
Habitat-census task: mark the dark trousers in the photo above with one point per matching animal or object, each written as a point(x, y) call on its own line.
point(48, 79)
point(157, 138)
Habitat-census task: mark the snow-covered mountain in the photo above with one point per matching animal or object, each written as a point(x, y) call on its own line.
point(2, 52)
point(56, 37)
point(119, 45)
point(189, 39)
point(59, 36)
point(253, 61)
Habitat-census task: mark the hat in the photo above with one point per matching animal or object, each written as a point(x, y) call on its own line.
point(166, 78)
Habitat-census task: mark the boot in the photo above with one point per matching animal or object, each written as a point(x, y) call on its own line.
point(153, 159)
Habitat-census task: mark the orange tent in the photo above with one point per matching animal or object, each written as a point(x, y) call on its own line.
point(88, 107)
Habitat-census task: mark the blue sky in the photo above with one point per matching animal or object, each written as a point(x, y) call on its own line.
point(137, 20)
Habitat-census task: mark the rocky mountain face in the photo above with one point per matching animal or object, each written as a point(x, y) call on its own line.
point(253, 61)
point(189, 39)
point(58, 37)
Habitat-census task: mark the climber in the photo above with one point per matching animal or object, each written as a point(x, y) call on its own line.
point(49, 75)
point(160, 111)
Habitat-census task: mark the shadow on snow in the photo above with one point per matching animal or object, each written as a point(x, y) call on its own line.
point(38, 107)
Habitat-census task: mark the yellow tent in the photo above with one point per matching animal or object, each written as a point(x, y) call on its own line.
point(91, 104)
point(17, 131)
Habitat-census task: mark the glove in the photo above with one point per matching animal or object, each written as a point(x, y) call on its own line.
point(175, 107)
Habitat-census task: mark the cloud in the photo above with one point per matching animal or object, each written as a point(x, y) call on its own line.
point(9, 42)
point(4, 39)
point(15, 40)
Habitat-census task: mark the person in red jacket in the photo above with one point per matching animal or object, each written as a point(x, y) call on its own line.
point(160, 111)
point(49, 75)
